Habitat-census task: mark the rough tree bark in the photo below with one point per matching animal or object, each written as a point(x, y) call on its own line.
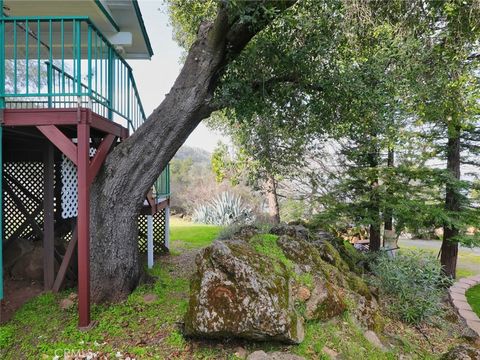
point(272, 197)
point(132, 167)
point(375, 236)
point(449, 249)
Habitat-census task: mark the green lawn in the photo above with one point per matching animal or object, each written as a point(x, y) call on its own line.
point(473, 298)
point(41, 330)
point(187, 235)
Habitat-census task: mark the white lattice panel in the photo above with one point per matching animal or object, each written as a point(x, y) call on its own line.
point(69, 187)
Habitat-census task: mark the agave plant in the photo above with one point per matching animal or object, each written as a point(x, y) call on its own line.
point(224, 209)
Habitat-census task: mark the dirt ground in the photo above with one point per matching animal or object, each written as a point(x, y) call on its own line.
point(17, 292)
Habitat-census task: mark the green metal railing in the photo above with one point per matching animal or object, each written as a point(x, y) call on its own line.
point(66, 62)
point(162, 185)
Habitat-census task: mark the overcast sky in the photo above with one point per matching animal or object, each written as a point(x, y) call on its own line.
point(155, 77)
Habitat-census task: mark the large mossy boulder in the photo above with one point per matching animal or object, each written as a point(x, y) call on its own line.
point(237, 292)
point(254, 286)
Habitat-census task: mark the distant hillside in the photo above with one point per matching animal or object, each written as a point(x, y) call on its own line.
point(199, 156)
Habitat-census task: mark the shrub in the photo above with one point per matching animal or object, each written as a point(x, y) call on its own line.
point(229, 231)
point(412, 284)
point(291, 210)
point(225, 209)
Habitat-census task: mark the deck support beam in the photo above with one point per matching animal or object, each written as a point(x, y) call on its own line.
point(1, 205)
point(167, 227)
point(67, 258)
point(100, 156)
point(62, 142)
point(48, 218)
point(150, 241)
point(83, 221)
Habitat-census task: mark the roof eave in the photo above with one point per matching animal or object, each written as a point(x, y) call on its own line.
point(142, 26)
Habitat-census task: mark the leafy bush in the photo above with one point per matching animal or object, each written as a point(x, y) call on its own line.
point(412, 283)
point(225, 209)
point(291, 210)
point(227, 232)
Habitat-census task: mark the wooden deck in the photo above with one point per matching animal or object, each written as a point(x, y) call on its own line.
point(28, 136)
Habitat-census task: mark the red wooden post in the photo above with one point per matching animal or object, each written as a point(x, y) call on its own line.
point(48, 215)
point(83, 221)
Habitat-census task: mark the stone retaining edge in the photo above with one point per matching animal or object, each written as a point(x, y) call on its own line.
point(459, 301)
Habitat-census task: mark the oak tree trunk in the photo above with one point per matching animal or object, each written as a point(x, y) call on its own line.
point(273, 207)
point(133, 166)
point(449, 249)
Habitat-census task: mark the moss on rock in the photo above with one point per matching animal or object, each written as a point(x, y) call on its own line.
point(244, 287)
point(333, 280)
point(237, 292)
point(325, 302)
point(329, 254)
point(358, 285)
point(462, 352)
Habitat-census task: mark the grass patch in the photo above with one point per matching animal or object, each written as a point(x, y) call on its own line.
point(42, 329)
point(6, 336)
point(187, 235)
point(463, 273)
point(147, 330)
point(342, 336)
point(176, 340)
point(473, 298)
